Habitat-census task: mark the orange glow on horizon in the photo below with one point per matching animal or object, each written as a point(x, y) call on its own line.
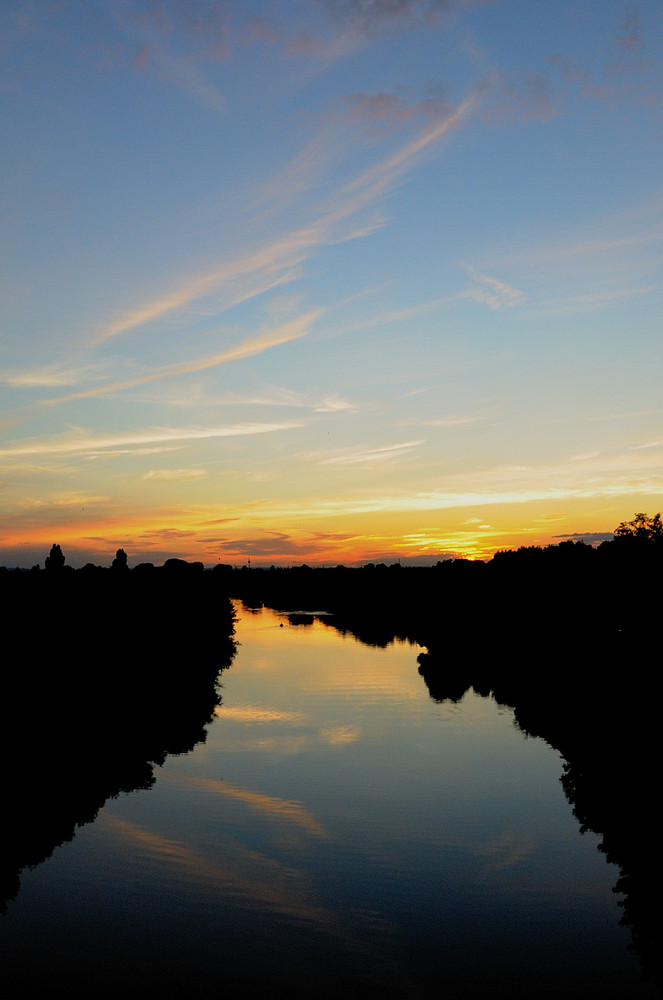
point(213, 535)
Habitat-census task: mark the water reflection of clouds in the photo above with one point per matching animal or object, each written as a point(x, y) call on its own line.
point(240, 879)
point(291, 745)
point(258, 714)
point(281, 746)
point(340, 735)
point(352, 680)
point(238, 873)
point(507, 850)
point(276, 808)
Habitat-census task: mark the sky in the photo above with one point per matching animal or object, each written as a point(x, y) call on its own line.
point(328, 281)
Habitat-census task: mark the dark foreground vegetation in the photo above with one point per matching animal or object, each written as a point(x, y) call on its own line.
point(108, 672)
point(115, 668)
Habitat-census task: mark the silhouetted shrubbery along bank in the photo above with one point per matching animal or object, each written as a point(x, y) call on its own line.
point(111, 671)
point(568, 590)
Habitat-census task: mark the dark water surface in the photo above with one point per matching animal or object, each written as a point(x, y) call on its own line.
point(339, 833)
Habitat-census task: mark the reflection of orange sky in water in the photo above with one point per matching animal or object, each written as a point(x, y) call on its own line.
point(257, 713)
point(278, 809)
point(239, 872)
point(336, 664)
point(263, 885)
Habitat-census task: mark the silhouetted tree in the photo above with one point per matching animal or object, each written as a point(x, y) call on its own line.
point(642, 528)
point(119, 563)
point(55, 559)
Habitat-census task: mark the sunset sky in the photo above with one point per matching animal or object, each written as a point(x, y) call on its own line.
point(328, 281)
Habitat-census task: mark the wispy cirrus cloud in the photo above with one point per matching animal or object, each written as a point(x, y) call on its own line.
point(55, 500)
point(457, 420)
point(594, 301)
point(377, 180)
point(174, 40)
point(637, 470)
point(269, 396)
point(276, 261)
point(370, 456)
point(608, 244)
point(82, 444)
point(496, 294)
point(269, 338)
point(51, 376)
point(175, 475)
point(243, 278)
point(617, 257)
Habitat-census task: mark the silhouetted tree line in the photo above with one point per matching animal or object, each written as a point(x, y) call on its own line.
point(111, 670)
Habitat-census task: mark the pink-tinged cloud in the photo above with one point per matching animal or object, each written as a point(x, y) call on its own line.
point(173, 41)
point(368, 16)
point(569, 68)
point(387, 108)
point(630, 38)
point(259, 29)
point(304, 43)
point(522, 96)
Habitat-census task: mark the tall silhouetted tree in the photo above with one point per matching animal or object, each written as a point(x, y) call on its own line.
point(55, 559)
point(119, 563)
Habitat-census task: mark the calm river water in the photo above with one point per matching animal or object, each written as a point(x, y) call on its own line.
point(339, 833)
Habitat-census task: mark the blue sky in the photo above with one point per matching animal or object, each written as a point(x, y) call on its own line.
point(328, 281)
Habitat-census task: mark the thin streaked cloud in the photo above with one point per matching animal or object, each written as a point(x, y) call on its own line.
point(371, 456)
point(247, 348)
point(84, 444)
point(51, 376)
point(176, 475)
point(290, 250)
point(589, 302)
point(496, 294)
point(637, 471)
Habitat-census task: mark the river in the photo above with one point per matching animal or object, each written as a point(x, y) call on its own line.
point(338, 833)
